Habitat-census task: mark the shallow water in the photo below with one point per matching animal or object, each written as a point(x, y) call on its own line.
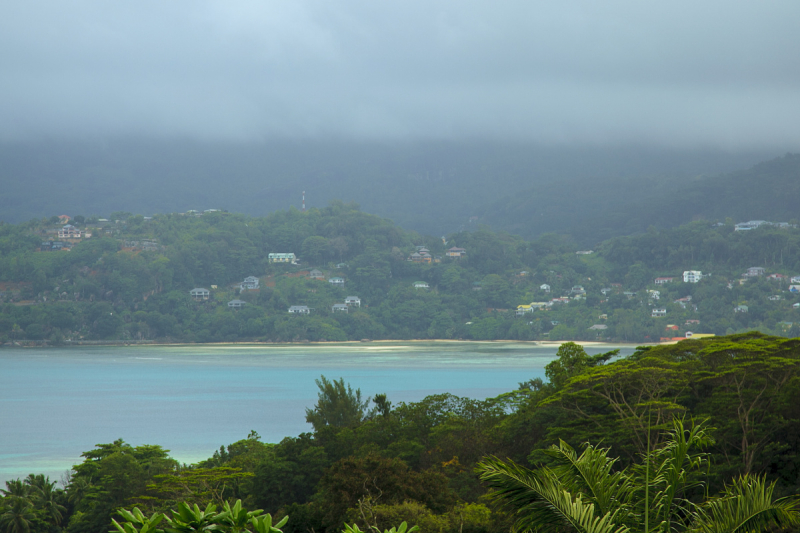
point(57, 403)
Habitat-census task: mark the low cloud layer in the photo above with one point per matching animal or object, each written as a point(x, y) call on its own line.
point(678, 73)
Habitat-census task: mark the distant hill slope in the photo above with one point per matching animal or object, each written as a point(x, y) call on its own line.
point(433, 187)
point(600, 210)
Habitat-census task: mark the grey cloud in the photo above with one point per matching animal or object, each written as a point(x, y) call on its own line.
point(711, 73)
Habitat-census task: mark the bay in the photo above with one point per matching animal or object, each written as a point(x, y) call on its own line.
point(56, 403)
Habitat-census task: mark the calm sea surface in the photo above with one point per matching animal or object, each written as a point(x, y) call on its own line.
point(56, 403)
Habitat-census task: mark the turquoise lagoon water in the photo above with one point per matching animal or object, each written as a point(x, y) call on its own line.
point(56, 403)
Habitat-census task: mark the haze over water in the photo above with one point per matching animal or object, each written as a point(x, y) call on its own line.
point(57, 403)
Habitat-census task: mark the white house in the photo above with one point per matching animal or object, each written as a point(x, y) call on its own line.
point(752, 224)
point(299, 310)
point(250, 283)
point(740, 309)
point(316, 274)
point(755, 271)
point(692, 276)
point(421, 285)
point(69, 232)
point(658, 312)
point(353, 301)
point(661, 281)
point(236, 304)
point(545, 287)
point(200, 294)
point(282, 258)
point(340, 307)
point(336, 281)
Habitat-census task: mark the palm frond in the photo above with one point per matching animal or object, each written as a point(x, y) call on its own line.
point(541, 501)
point(747, 506)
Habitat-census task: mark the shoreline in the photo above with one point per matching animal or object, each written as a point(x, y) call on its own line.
point(70, 344)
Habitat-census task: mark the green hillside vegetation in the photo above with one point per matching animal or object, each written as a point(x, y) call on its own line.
point(603, 209)
point(700, 414)
point(131, 281)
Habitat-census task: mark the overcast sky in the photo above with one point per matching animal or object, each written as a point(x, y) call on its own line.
point(685, 73)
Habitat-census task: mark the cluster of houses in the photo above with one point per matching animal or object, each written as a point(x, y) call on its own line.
point(54, 246)
point(350, 301)
point(423, 255)
point(753, 224)
point(336, 281)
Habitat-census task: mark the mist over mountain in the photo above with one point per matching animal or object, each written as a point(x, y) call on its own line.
point(431, 187)
point(603, 209)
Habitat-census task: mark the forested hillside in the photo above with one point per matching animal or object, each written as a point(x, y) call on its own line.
point(608, 208)
point(432, 187)
point(702, 412)
point(132, 281)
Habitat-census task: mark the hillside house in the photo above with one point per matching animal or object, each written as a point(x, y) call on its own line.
point(282, 258)
point(749, 225)
point(692, 276)
point(544, 287)
point(421, 285)
point(456, 253)
point(658, 312)
point(236, 304)
point(52, 246)
point(250, 283)
point(774, 298)
point(476, 286)
point(337, 282)
point(692, 321)
point(661, 281)
point(599, 327)
point(777, 277)
point(796, 306)
point(200, 294)
point(422, 256)
point(740, 309)
point(523, 309)
point(316, 274)
point(69, 232)
point(340, 308)
point(654, 295)
point(584, 252)
point(753, 272)
point(578, 289)
point(299, 310)
point(353, 301)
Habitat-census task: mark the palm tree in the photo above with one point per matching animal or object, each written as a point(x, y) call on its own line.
point(45, 497)
point(585, 494)
point(18, 516)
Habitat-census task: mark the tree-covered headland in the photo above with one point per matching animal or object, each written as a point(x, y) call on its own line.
point(131, 280)
point(701, 435)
